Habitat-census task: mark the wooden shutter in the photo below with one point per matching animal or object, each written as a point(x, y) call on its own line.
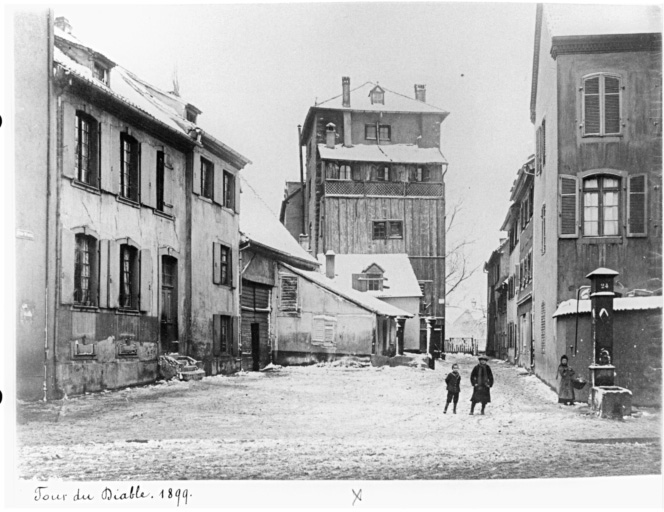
point(68, 266)
point(543, 143)
point(289, 293)
point(68, 140)
point(569, 207)
point(145, 292)
point(611, 104)
point(218, 192)
point(231, 274)
point(169, 178)
point(103, 273)
point(138, 175)
point(637, 193)
point(359, 283)
point(149, 177)
point(591, 106)
point(216, 263)
point(318, 331)
point(538, 150)
point(234, 335)
point(216, 335)
point(110, 176)
point(113, 274)
point(197, 175)
point(97, 162)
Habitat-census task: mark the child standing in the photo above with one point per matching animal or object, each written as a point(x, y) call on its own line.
point(453, 381)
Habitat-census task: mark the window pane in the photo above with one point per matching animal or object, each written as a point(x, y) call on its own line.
point(379, 230)
point(384, 132)
point(610, 183)
point(591, 183)
point(610, 212)
point(591, 214)
point(370, 131)
point(395, 229)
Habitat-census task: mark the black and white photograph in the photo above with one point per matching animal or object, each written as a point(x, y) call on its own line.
point(333, 254)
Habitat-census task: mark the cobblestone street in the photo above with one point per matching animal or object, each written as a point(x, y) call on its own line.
point(330, 422)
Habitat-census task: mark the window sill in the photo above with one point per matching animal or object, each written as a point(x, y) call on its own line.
point(128, 202)
point(81, 307)
point(165, 215)
point(85, 186)
point(595, 137)
point(602, 240)
point(127, 312)
point(206, 199)
point(229, 210)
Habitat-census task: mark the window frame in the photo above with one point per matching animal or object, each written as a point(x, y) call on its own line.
point(229, 190)
point(161, 177)
point(381, 127)
point(602, 76)
point(600, 204)
point(92, 277)
point(130, 191)
point(367, 129)
point(388, 223)
point(222, 264)
point(207, 178)
point(92, 169)
point(129, 253)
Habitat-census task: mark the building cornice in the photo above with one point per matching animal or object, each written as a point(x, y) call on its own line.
point(610, 43)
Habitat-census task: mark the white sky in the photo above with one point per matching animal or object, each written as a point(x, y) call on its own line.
point(254, 70)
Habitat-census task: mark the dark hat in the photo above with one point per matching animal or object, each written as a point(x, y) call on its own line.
point(483, 357)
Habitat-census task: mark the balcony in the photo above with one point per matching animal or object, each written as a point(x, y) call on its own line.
point(383, 188)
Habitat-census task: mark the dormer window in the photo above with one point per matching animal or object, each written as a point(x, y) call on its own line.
point(371, 279)
point(191, 113)
point(377, 95)
point(100, 72)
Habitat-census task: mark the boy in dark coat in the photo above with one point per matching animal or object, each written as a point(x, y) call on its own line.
point(453, 381)
point(482, 379)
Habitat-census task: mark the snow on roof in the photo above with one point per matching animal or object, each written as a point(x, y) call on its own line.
point(362, 299)
point(393, 102)
point(260, 225)
point(597, 19)
point(400, 280)
point(568, 307)
point(397, 153)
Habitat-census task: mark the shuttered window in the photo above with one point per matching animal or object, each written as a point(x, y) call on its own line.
point(568, 190)
point(87, 149)
point(601, 206)
point(324, 330)
point(221, 264)
point(543, 229)
point(130, 159)
point(85, 271)
point(636, 205)
point(288, 299)
point(601, 105)
point(543, 326)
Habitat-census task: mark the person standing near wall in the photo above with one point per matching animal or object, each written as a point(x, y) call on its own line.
point(565, 389)
point(482, 379)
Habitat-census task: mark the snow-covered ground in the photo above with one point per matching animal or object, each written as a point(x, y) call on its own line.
point(331, 422)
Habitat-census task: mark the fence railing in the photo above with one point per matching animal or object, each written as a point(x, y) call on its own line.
point(383, 188)
point(460, 346)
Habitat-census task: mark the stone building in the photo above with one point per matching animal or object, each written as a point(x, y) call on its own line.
point(135, 215)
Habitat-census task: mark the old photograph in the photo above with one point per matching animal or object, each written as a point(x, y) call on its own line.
point(361, 245)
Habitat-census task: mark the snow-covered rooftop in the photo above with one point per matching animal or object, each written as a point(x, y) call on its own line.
point(393, 102)
point(397, 153)
point(400, 280)
point(569, 307)
point(596, 19)
point(260, 225)
point(362, 299)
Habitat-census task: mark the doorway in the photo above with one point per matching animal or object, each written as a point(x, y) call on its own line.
point(255, 346)
point(169, 304)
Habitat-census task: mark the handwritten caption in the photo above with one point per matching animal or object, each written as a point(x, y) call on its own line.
point(176, 496)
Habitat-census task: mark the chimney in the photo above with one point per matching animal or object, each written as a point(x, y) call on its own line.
point(329, 264)
point(304, 242)
point(63, 24)
point(345, 87)
point(330, 135)
point(421, 92)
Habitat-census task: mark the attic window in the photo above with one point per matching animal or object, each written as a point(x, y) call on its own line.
point(377, 95)
point(191, 116)
point(371, 279)
point(100, 73)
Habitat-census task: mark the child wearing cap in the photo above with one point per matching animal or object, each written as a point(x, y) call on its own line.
point(453, 381)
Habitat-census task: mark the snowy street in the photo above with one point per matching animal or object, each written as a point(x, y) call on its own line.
point(331, 422)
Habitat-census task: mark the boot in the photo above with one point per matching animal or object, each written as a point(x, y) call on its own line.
point(446, 406)
point(454, 409)
point(472, 409)
point(482, 410)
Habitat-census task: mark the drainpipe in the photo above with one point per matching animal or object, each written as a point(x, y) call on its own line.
point(299, 146)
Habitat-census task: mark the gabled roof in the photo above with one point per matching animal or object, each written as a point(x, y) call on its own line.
point(360, 100)
point(260, 226)
point(135, 93)
point(400, 280)
point(523, 176)
point(362, 299)
point(389, 153)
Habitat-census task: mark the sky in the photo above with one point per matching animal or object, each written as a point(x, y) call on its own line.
point(254, 71)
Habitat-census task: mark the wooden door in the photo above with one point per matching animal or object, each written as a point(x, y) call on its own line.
point(169, 304)
point(255, 346)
